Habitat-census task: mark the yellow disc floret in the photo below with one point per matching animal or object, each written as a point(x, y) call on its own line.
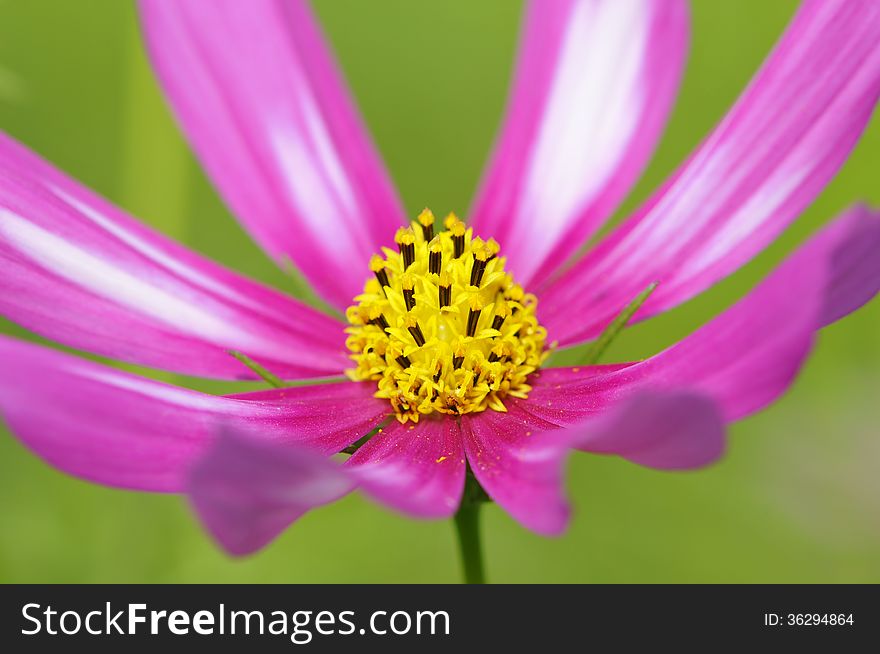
point(441, 326)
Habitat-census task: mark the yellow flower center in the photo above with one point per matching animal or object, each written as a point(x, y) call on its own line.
point(441, 326)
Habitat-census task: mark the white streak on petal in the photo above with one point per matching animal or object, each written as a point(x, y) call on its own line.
point(151, 252)
point(595, 99)
point(86, 270)
point(318, 190)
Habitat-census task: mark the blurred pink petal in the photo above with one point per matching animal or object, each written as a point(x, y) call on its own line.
point(519, 457)
point(668, 430)
point(766, 161)
point(417, 469)
point(594, 84)
point(119, 429)
point(747, 356)
point(257, 92)
point(849, 245)
point(246, 491)
point(76, 269)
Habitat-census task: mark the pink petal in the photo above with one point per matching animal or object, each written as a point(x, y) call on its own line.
point(325, 418)
point(777, 148)
point(849, 246)
point(417, 469)
point(668, 430)
point(669, 412)
point(594, 84)
point(519, 457)
point(119, 429)
point(246, 491)
point(665, 430)
point(518, 460)
point(256, 90)
point(75, 269)
point(745, 358)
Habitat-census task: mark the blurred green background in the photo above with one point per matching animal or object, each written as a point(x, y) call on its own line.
point(796, 500)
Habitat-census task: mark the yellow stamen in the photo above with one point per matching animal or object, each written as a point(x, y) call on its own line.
point(405, 239)
point(404, 236)
point(450, 220)
point(377, 263)
point(446, 330)
point(426, 217)
point(426, 220)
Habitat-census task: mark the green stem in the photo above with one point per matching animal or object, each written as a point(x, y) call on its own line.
point(467, 524)
point(467, 527)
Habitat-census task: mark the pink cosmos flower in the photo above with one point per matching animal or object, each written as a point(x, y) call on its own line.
point(259, 96)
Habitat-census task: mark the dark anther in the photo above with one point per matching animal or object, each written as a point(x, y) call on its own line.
point(477, 271)
point(445, 293)
point(382, 276)
point(380, 322)
point(497, 321)
point(426, 220)
point(377, 265)
point(417, 335)
point(458, 243)
point(454, 225)
point(409, 298)
point(473, 319)
point(407, 284)
point(408, 252)
point(406, 243)
point(435, 259)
